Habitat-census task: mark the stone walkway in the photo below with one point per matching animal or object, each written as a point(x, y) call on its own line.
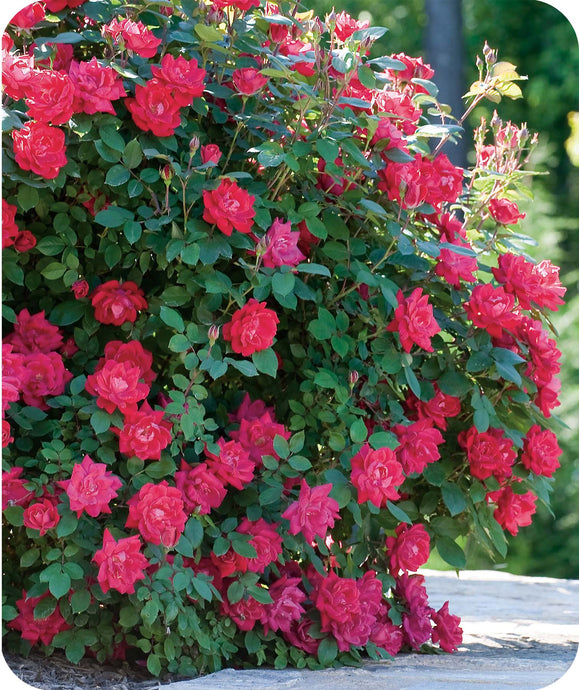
point(519, 632)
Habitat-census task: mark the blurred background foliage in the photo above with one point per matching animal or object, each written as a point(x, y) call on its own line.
point(541, 42)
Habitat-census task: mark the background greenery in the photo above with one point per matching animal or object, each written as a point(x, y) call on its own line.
point(540, 41)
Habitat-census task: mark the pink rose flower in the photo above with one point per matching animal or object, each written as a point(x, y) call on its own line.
point(232, 465)
point(252, 328)
point(377, 475)
point(541, 451)
point(409, 549)
point(265, 539)
point(447, 631)
point(95, 87)
point(117, 385)
point(157, 512)
point(229, 206)
point(41, 516)
point(201, 489)
point(257, 436)
point(91, 488)
point(282, 246)
point(121, 563)
point(40, 149)
point(116, 303)
point(414, 321)
point(145, 433)
point(504, 211)
point(313, 513)
point(37, 629)
point(248, 81)
point(418, 447)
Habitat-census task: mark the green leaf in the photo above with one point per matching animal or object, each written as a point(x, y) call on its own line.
point(113, 217)
point(29, 557)
point(53, 271)
point(44, 608)
point(133, 154)
point(50, 246)
point(100, 421)
point(129, 616)
point(434, 473)
point(208, 34)
point(266, 361)
point(59, 584)
point(481, 420)
point(299, 463)
point(194, 532)
point(235, 592)
point(281, 446)
point(153, 661)
point(244, 548)
point(398, 513)
point(80, 600)
point(327, 651)
point(132, 231)
point(202, 588)
point(453, 498)
point(117, 175)
point(252, 642)
point(112, 138)
point(172, 318)
point(245, 367)
point(451, 552)
point(328, 149)
point(67, 313)
point(283, 283)
point(315, 269)
point(27, 197)
point(67, 525)
point(358, 431)
point(14, 515)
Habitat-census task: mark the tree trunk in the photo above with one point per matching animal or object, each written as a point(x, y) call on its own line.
point(445, 52)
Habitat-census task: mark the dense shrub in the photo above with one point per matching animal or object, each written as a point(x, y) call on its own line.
point(265, 345)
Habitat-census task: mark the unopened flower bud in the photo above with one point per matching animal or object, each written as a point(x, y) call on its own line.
point(261, 246)
point(213, 334)
point(479, 61)
point(167, 173)
point(194, 145)
point(353, 377)
point(496, 121)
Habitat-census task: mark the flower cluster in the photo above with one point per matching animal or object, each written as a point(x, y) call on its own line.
point(266, 375)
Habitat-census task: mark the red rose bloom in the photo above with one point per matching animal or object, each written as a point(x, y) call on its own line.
point(244, 613)
point(229, 563)
point(282, 246)
point(14, 493)
point(439, 408)
point(91, 487)
point(7, 437)
point(250, 410)
point(416, 623)
point(154, 108)
point(25, 241)
point(145, 433)
point(442, 178)
point(157, 512)
point(414, 321)
point(505, 211)
point(18, 74)
point(95, 87)
point(418, 445)
point(201, 489)
point(233, 464)
point(248, 80)
point(541, 451)
point(117, 385)
point(46, 375)
point(243, 5)
point(211, 153)
point(40, 148)
point(447, 631)
point(489, 453)
point(377, 475)
point(385, 634)
point(252, 328)
point(41, 516)
point(59, 5)
point(409, 549)
point(80, 289)
point(132, 353)
point(492, 309)
point(116, 303)
point(265, 540)
point(34, 333)
point(513, 510)
point(121, 563)
point(299, 636)
point(346, 25)
point(10, 230)
point(50, 98)
point(538, 283)
point(454, 267)
point(135, 35)
point(29, 16)
point(257, 436)
point(183, 77)
point(37, 629)
point(287, 604)
point(404, 183)
point(229, 206)
point(313, 513)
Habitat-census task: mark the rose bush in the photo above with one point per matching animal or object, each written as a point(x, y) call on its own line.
point(277, 348)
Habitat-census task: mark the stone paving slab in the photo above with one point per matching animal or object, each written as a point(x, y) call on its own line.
point(519, 632)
